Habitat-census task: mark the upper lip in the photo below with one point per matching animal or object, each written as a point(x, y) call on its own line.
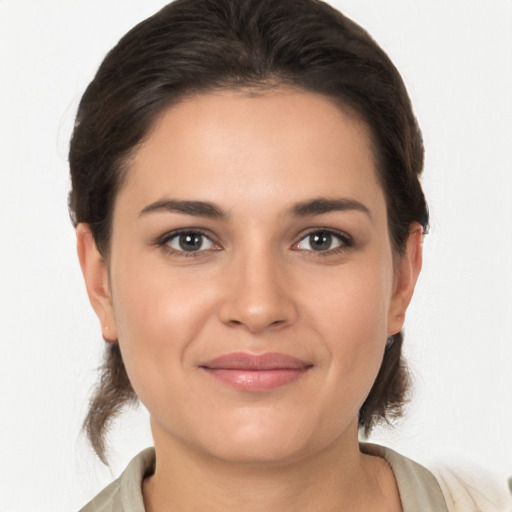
point(255, 362)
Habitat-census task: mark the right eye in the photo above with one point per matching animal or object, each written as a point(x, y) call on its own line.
point(189, 242)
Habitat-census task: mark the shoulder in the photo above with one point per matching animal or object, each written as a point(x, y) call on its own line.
point(125, 493)
point(108, 500)
point(443, 488)
point(473, 490)
point(417, 486)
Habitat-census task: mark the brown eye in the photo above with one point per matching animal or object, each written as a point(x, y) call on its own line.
point(322, 241)
point(191, 241)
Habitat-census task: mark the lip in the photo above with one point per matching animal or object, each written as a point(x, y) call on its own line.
point(255, 372)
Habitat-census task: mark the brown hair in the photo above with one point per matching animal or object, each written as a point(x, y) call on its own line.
point(193, 46)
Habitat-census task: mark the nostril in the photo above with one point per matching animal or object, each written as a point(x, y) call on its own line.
point(257, 307)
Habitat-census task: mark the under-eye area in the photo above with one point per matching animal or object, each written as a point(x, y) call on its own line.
point(324, 241)
point(187, 242)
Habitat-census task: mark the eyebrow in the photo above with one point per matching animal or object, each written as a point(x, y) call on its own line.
point(323, 205)
point(196, 208)
point(316, 206)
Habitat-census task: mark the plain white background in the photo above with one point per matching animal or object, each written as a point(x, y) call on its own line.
point(456, 61)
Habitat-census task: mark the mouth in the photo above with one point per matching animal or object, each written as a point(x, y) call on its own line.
point(256, 372)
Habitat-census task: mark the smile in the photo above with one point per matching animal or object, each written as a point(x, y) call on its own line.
point(256, 372)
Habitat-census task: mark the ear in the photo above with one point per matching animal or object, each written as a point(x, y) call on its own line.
point(406, 275)
point(96, 279)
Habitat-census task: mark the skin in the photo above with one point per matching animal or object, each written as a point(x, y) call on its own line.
point(256, 286)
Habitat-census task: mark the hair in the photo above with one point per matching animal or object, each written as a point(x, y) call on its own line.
point(197, 46)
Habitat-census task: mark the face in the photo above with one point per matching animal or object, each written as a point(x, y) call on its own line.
point(250, 280)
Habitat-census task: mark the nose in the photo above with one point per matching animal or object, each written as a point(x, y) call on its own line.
point(258, 295)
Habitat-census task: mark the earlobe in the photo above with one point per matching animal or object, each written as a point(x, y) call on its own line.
point(96, 280)
point(406, 276)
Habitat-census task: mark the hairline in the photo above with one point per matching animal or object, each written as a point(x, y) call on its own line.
point(249, 89)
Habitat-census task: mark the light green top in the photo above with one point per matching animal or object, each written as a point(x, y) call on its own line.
point(418, 488)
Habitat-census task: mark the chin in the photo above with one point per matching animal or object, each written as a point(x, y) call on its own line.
point(266, 441)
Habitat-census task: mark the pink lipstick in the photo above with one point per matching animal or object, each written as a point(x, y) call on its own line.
point(256, 372)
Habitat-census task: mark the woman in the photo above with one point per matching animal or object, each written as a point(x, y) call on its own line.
point(245, 186)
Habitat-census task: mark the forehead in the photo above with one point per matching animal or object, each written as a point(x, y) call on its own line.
point(266, 148)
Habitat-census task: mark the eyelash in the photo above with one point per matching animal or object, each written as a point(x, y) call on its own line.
point(346, 242)
point(163, 242)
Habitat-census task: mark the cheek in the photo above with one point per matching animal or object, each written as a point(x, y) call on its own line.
point(351, 317)
point(158, 316)
point(157, 299)
point(353, 301)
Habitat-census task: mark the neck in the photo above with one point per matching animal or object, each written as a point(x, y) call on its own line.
point(339, 478)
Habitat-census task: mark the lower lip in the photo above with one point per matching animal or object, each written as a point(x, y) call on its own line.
point(256, 380)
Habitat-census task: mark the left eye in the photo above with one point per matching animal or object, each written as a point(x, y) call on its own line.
point(190, 241)
point(322, 241)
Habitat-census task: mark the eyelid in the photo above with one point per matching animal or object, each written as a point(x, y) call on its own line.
point(346, 240)
point(163, 241)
